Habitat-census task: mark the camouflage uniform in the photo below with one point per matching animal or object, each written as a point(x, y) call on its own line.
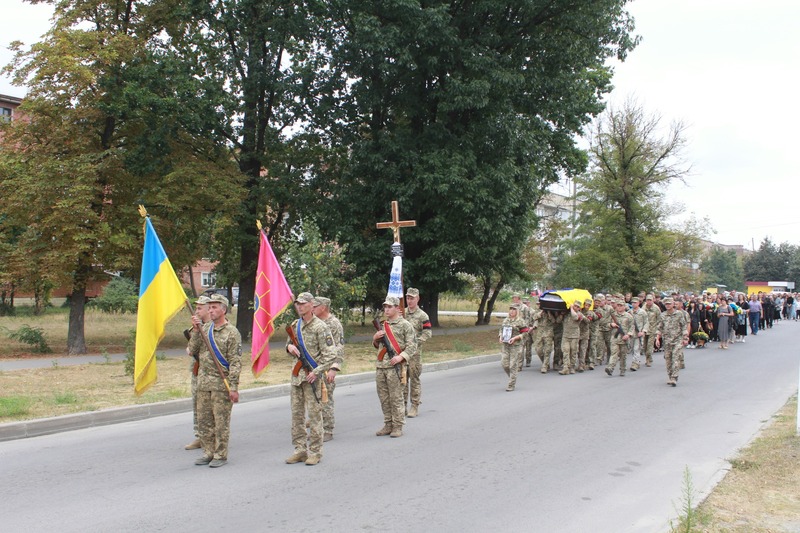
point(387, 380)
point(603, 345)
point(321, 347)
point(512, 353)
point(673, 333)
point(653, 327)
point(558, 335)
point(620, 346)
point(640, 325)
point(213, 401)
point(337, 332)
point(526, 313)
point(422, 327)
point(571, 340)
point(544, 341)
point(585, 359)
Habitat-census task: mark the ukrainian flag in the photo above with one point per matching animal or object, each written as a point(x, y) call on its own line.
point(160, 298)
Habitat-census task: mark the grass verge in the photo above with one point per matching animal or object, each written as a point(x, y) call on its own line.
point(761, 492)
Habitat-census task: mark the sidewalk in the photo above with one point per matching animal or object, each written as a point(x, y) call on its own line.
point(69, 360)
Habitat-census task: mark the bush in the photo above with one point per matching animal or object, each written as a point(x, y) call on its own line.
point(32, 337)
point(119, 296)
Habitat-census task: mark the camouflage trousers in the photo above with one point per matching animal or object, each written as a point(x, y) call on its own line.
point(328, 418)
point(194, 406)
point(544, 347)
point(649, 347)
point(619, 353)
point(584, 358)
point(527, 348)
point(390, 394)
point(512, 356)
point(214, 422)
point(672, 358)
point(413, 387)
point(558, 353)
point(304, 401)
point(603, 347)
point(637, 347)
point(569, 348)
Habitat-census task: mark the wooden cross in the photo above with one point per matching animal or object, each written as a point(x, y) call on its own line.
point(396, 223)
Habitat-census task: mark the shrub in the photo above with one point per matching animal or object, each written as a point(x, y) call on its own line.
point(119, 296)
point(33, 337)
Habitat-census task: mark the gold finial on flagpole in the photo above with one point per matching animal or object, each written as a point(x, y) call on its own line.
point(258, 225)
point(142, 210)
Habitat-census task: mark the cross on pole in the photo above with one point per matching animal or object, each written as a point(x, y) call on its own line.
point(396, 223)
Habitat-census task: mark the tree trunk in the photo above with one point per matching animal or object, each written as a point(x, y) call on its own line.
point(484, 299)
point(490, 307)
point(76, 339)
point(191, 281)
point(430, 305)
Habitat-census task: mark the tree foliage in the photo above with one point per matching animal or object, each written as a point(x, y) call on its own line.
point(722, 267)
point(105, 129)
point(464, 112)
point(773, 263)
point(623, 241)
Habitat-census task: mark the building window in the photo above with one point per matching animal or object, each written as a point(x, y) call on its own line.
point(208, 279)
point(5, 114)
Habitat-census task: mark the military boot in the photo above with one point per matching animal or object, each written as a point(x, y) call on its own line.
point(194, 445)
point(204, 460)
point(396, 432)
point(413, 412)
point(296, 457)
point(385, 430)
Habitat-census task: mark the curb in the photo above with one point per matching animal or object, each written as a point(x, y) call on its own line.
point(116, 415)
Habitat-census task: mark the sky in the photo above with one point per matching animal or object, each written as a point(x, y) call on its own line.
point(725, 68)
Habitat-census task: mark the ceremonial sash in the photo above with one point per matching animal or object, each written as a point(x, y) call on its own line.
point(303, 351)
point(215, 349)
point(392, 340)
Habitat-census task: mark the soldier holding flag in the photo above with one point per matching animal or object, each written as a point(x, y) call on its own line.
point(316, 351)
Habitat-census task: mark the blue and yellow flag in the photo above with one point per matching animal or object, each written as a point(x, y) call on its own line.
point(160, 298)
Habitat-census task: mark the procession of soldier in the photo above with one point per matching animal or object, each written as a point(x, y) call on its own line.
point(566, 332)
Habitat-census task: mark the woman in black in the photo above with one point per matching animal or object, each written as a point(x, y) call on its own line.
point(741, 319)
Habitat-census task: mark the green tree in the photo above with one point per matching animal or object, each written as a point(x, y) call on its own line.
point(108, 126)
point(722, 267)
point(274, 91)
point(623, 241)
point(464, 112)
point(769, 262)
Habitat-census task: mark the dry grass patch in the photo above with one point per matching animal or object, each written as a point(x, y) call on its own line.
point(60, 390)
point(761, 492)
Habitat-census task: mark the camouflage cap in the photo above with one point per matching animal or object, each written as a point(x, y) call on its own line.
point(321, 300)
point(599, 296)
point(516, 295)
point(218, 298)
point(392, 300)
point(580, 303)
point(514, 306)
point(412, 292)
point(668, 300)
point(635, 300)
point(649, 297)
point(202, 300)
point(304, 298)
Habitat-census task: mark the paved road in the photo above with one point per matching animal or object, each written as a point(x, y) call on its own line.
point(584, 453)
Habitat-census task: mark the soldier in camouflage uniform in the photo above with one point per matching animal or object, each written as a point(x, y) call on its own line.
point(674, 332)
point(214, 399)
point(585, 359)
point(524, 313)
point(571, 338)
point(511, 334)
point(322, 310)
point(201, 310)
point(641, 327)
point(545, 320)
point(622, 331)
point(319, 343)
point(387, 377)
point(422, 327)
point(527, 346)
point(680, 348)
point(653, 327)
point(605, 310)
